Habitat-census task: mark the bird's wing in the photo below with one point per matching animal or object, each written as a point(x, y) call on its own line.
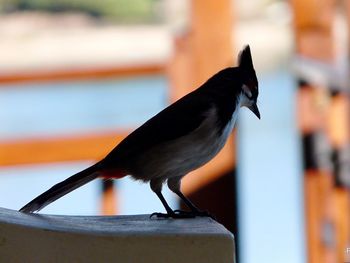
point(175, 121)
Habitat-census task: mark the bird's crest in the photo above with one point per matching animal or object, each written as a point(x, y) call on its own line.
point(245, 58)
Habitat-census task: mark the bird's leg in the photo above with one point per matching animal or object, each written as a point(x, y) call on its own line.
point(194, 210)
point(157, 188)
point(174, 185)
point(169, 212)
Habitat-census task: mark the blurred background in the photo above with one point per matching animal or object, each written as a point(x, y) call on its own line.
point(77, 76)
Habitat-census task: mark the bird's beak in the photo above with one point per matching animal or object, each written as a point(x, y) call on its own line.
point(255, 110)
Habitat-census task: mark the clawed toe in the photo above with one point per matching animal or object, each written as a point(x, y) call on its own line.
point(175, 214)
point(183, 214)
point(159, 215)
point(196, 213)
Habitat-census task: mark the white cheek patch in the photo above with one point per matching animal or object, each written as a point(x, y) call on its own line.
point(247, 90)
point(244, 101)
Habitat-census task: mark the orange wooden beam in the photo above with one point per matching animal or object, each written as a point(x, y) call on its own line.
point(82, 73)
point(205, 48)
point(109, 198)
point(338, 121)
point(342, 219)
point(212, 41)
point(338, 131)
point(313, 28)
point(312, 109)
point(314, 208)
point(79, 147)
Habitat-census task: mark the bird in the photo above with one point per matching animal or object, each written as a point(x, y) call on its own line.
point(179, 139)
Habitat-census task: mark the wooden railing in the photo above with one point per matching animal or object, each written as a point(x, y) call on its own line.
point(35, 238)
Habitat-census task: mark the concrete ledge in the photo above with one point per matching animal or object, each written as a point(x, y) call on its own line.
point(47, 238)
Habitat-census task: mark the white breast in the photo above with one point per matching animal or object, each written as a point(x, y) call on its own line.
point(187, 153)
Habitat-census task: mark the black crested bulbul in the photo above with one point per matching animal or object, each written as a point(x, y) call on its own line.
point(176, 141)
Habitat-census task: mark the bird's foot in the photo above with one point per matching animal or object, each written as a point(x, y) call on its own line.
point(197, 213)
point(183, 214)
point(174, 214)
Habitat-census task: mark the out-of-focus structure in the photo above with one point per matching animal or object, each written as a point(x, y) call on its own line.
point(322, 67)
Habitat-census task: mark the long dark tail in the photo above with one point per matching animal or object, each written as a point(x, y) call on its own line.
point(61, 189)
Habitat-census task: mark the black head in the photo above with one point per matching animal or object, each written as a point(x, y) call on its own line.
point(250, 86)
